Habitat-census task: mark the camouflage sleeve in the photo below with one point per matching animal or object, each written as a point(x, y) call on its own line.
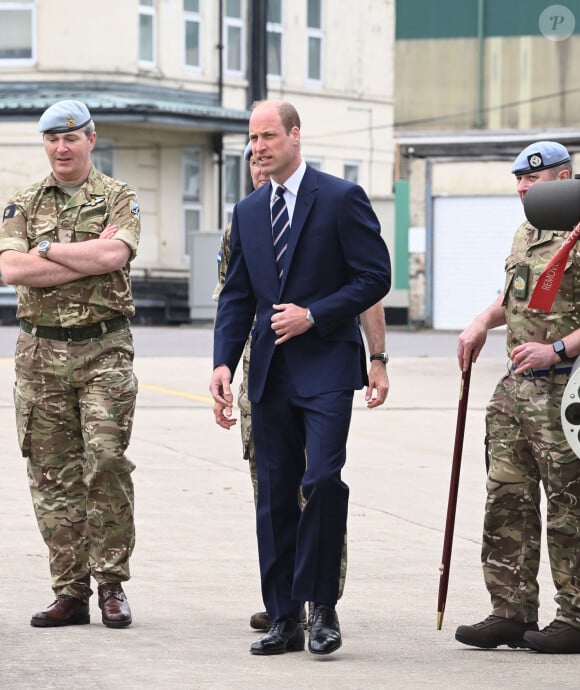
point(13, 230)
point(223, 260)
point(124, 212)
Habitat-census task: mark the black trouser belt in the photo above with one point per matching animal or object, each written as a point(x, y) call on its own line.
point(95, 330)
point(557, 369)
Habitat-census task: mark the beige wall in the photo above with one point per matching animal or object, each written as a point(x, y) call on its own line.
point(437, 83)
point(349, 118)
point(460, 178)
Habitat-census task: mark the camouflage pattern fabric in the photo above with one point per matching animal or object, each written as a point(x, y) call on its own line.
point(527, 447)
point(43, 211)
point(74, 412)
point(246, 407)
point(526, 324)
point(75, 401)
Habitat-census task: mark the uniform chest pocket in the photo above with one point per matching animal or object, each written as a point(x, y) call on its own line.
point(567, 292)
point(91, 220)
point(89, 229)
point(41, 228)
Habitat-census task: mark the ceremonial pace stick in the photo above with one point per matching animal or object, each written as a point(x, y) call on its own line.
point(452, 502)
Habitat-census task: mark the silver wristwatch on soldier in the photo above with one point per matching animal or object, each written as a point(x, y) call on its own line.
point(43, 248)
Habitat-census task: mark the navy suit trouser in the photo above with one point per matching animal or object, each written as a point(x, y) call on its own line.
point(299, 441)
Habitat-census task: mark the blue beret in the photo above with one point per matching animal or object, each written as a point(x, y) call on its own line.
point(540, 156)
point(64, 116)
point(248, 151)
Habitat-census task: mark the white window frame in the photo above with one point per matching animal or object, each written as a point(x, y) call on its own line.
point(276, 28)
point(30, 6)
point(148, 11)
point(190, 17)
point(189, 202)
point(228, 206)
point(315, 163)
point(353, 165)
point(238, 24)
point(103, 156)
point(314, 33)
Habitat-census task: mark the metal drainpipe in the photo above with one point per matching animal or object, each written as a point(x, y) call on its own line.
point(480, 55)
point(218, 136)
point(220, 47)
point(429, 250)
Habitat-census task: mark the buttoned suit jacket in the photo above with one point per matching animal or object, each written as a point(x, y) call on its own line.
point(337, 265)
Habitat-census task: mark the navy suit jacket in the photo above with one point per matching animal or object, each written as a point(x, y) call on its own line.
point(337, 265)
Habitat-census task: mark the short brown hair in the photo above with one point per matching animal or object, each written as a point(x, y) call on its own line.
point(288, 113)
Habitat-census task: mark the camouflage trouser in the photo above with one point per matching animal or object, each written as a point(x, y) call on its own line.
point(526, 448)
point(249, 454)
point(74, 412)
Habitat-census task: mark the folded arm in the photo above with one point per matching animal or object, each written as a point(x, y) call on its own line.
point(32, 270)
point(65, 262)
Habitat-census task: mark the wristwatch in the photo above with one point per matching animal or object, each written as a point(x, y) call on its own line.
point(43, 248)
point(380, 357)
point(560, 349)
point(309, 317)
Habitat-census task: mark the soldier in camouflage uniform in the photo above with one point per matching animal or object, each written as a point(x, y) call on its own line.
point(373, 322)
point(526, 446)
point(66, 244)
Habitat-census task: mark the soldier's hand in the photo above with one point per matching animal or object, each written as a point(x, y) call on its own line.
point(221, 392)
point(533, 356)
point(223, 417)
point(470, 343)
point(108, 232)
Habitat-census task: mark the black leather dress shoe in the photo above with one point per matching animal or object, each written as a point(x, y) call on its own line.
point(114, 606)
point(325, 636)
point(284, 636)
point(64, 611)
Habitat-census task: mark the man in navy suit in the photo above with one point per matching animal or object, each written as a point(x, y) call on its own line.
point(307, 359)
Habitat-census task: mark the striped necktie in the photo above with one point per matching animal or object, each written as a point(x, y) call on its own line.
point(280, 228)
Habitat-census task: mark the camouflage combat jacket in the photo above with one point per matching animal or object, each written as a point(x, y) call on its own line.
point(44, 211)
point(223, 261)
point(531, 251)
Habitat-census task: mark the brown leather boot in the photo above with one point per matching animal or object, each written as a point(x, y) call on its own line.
point(260, 621)
point(64, 610)
point(495, 631)
point(556, 638)
point(114, 606)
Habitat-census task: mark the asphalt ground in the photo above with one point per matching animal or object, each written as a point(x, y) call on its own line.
point(195, 573)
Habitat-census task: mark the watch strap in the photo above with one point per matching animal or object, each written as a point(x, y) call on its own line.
point(560, 349)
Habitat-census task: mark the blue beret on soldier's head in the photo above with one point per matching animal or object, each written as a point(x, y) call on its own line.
point(64, 116)
point(540, 156)
point(248, 151)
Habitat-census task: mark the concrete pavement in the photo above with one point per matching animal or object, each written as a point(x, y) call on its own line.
point(195, 575)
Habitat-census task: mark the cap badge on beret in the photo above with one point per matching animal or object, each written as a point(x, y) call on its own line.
point(540, 155)
point(64, 116)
